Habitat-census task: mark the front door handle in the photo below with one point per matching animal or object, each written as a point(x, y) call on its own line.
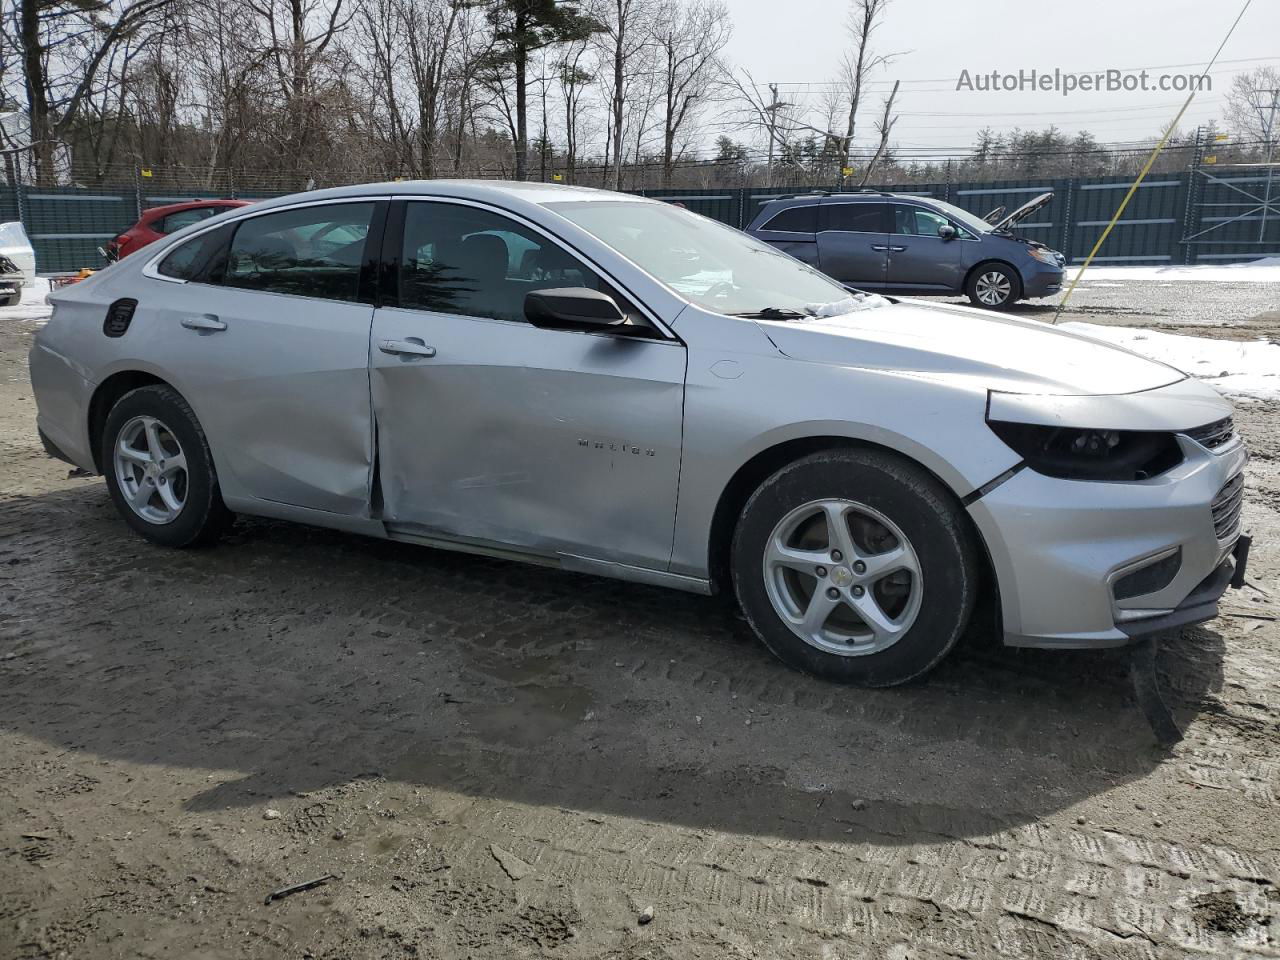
point(879, 247)
point(412, 347)
point(896, 249)
point(205, 322)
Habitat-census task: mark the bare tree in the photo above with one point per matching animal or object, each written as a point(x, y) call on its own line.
point(690, 39)
point(626, 31)
point(884, 126)
point(865, 16)
point(62, 46)
point(573, 80)
point(299, 35)
point(1249, 104)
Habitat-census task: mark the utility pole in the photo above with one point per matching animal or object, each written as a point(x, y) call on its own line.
point(772, 110)
point(1271, 151)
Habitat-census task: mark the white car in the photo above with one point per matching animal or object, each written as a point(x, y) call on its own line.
point(17, 263)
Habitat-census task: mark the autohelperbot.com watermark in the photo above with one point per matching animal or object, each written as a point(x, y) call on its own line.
point(1067, 82)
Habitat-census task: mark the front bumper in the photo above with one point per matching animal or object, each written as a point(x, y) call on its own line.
point(10, 285)
point(1058, 548)
point(1043, 281)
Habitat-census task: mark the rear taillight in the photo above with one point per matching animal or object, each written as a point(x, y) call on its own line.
point(119, 316)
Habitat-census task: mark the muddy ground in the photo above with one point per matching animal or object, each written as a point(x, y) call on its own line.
point(499, 761)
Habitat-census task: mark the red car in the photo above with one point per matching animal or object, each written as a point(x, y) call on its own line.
point(161, 221)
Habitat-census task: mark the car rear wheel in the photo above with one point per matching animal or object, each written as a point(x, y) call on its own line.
point(159, 469)
point(855, 566)
point(995, 286)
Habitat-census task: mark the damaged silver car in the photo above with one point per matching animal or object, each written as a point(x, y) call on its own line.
point(617, 386)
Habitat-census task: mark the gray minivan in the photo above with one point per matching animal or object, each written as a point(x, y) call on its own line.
point(898, 243)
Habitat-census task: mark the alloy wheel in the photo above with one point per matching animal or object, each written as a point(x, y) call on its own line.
point(843, 577)
point(151, 469)
point(993, 288)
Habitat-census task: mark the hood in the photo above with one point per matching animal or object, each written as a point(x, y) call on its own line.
point(1024, 211)
point(1005, 353)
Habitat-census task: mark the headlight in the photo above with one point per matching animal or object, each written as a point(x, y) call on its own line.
point(1069, 453)
point(7, 265)
point(1044, 255)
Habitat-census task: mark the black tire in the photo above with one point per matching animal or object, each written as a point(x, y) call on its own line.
point(12, 301)
point(1010, 276)
point(203, 516)
point(927, 514)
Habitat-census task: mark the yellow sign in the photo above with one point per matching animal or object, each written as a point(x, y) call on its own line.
point(846, 171)
point(146, 171)
point(1210, 159)
point(1221, 137)
point(557, 177)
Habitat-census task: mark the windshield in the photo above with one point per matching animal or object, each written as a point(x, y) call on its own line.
point(714, 266)
point(964, 217)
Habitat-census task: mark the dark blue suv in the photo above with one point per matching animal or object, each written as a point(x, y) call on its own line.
point(897, 243)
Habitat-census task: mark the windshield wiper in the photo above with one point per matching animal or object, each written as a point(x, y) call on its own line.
point(771, 313)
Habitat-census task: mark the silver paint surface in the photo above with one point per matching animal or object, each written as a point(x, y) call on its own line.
point(477, 446)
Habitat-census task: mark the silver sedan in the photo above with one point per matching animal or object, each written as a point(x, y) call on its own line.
point(617, 386)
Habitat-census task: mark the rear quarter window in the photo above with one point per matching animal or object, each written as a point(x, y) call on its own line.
point(795, 220)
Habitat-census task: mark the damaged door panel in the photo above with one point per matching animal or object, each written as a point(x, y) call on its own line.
point(546, 440)
point(277, 360)
point(493, 431)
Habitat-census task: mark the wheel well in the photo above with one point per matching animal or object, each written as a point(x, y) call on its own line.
point(756, 470)
point(996, 261)
point(105, 397)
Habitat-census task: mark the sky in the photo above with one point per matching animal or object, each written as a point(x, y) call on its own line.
point(938, 39)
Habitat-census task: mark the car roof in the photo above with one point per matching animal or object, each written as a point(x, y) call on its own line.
point(862, 196)
point(168, 208)
point(499, 192)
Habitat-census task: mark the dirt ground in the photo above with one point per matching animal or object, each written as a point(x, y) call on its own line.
point(497, 761)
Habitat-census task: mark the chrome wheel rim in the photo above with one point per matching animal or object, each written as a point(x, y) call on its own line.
point(993, 288)
point(151, 469)
point(843, 577)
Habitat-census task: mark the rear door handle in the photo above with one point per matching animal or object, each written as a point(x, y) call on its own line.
point(879, 246)
point(205, 321)
point(412, 347)
point(897, 249)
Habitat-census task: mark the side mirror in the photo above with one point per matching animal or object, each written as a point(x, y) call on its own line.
point(572, 308)
point(946, 231)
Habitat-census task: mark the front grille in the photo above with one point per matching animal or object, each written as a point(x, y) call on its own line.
point(1226, 507)
point(1214, 434)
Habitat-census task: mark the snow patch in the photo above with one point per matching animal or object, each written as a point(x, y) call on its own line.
point(1237, 368)
point(840, 308)
point(1265, 270)
point(32, 308)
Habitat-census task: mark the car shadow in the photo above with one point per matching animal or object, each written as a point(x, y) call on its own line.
point(289, 659)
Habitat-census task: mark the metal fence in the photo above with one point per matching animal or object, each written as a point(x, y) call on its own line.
point(1209, 214)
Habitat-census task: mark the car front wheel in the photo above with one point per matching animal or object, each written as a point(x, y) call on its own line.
point(994, 286)
point(855, 566)
point(159, 469)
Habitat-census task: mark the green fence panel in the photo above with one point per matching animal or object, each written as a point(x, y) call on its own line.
point(1232, 224)
point(1148, 232)
point(722, 205)
point(68, 224)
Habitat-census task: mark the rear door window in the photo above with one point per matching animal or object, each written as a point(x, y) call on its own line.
point(795, 220)
point(857, 217)
point(306, 252)
point(198, 258)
